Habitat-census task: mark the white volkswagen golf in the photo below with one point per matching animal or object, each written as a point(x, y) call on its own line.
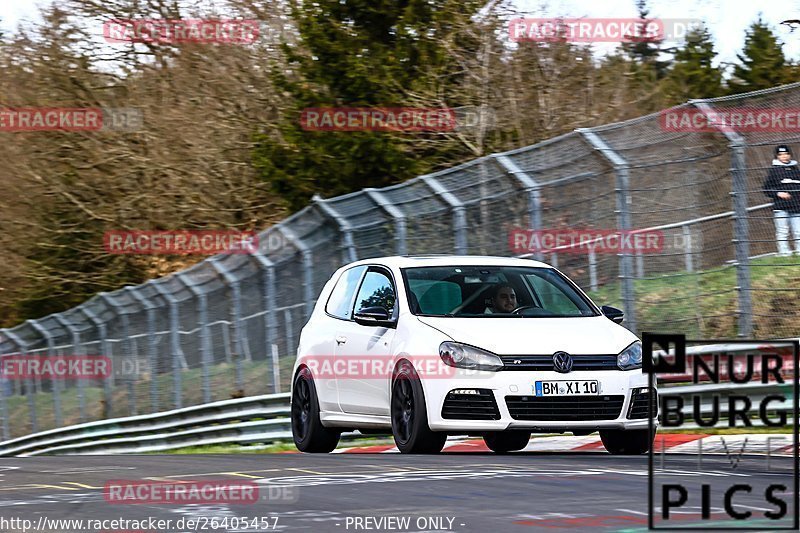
point(427, 347)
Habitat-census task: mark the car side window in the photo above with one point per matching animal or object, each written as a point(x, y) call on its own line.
point(340, 302)
point(553, 299)
point(376, 290)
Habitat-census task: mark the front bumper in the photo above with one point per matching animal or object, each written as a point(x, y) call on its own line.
point(616, 385)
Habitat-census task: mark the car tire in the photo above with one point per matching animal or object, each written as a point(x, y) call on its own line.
point(309, 434)
point(507, 441)
point(409, 415)
point(626, 442)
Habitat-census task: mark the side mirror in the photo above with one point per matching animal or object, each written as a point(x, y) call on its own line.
point(373, 316)
point(613, 313)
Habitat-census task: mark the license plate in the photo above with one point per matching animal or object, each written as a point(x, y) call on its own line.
point(565, 388)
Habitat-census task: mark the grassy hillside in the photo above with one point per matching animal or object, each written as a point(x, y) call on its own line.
point(704, 304)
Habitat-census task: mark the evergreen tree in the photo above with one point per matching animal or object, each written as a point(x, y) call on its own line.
point(359, 53)
point(693, 75)
point(646, 51)
point(761, 63)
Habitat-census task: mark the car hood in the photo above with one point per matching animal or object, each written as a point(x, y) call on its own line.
point(512, 336)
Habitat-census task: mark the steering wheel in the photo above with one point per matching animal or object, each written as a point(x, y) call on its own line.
point(521, 307)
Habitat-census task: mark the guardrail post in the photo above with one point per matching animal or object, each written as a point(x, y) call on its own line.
point(459, 213)
point(308, 265)
point(205, 341)
point(152, 352)
point(76, 341)
point(268, 301)
point(101, 333)
point(344, 226)
point(239, 343)
point(623, 220)
point(741, 230)
point(127, 351)
point(175, 345)
point(398, 216)
point(532, 188)
point(54, 380)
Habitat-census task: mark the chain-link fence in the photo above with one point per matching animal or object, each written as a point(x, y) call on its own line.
point(228, 326)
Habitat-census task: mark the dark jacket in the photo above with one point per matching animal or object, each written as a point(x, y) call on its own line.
point(784, 178)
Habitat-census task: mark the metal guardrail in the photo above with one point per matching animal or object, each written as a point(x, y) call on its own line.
point(243, 420)
point(265, 419)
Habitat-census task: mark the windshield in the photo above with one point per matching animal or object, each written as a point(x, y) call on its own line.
point(493, 291)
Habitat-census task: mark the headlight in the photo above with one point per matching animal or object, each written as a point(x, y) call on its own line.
point(631, 357)
point(465, 356)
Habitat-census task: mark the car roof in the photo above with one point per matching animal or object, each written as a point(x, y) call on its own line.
point(407, 261)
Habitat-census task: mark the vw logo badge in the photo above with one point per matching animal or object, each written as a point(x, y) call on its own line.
point(562, 362)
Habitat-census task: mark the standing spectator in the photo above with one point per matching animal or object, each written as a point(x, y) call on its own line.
point(783, 187)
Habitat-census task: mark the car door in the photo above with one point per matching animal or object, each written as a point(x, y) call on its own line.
point(364, 352)
point(338, 311)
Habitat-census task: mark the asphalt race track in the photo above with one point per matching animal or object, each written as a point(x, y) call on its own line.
point(448, 492)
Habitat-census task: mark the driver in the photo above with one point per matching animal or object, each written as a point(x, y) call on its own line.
point(504, 300)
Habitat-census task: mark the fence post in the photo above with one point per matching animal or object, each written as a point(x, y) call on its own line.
point(268, 301)
point(101, 333)
point(308, 265)
point(741, 230)
point(344, 226)
point(239, 351)
point(398, 216)
point(623, 220)
point(532, 188)
point(152, 353)
point(21, 346)
point(54, 381)
point(127, 352)
point(687, 242)
point(276, 370)
point(175, 344)
point(287, 317)
point(459, 213)
point(76, 340)
point(205, 342)
point(639, 264)
point(592, 270)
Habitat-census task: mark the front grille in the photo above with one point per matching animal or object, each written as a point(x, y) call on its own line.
point(479, 406)
point(564, 408)
point(545, 362)
point(639, 404)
